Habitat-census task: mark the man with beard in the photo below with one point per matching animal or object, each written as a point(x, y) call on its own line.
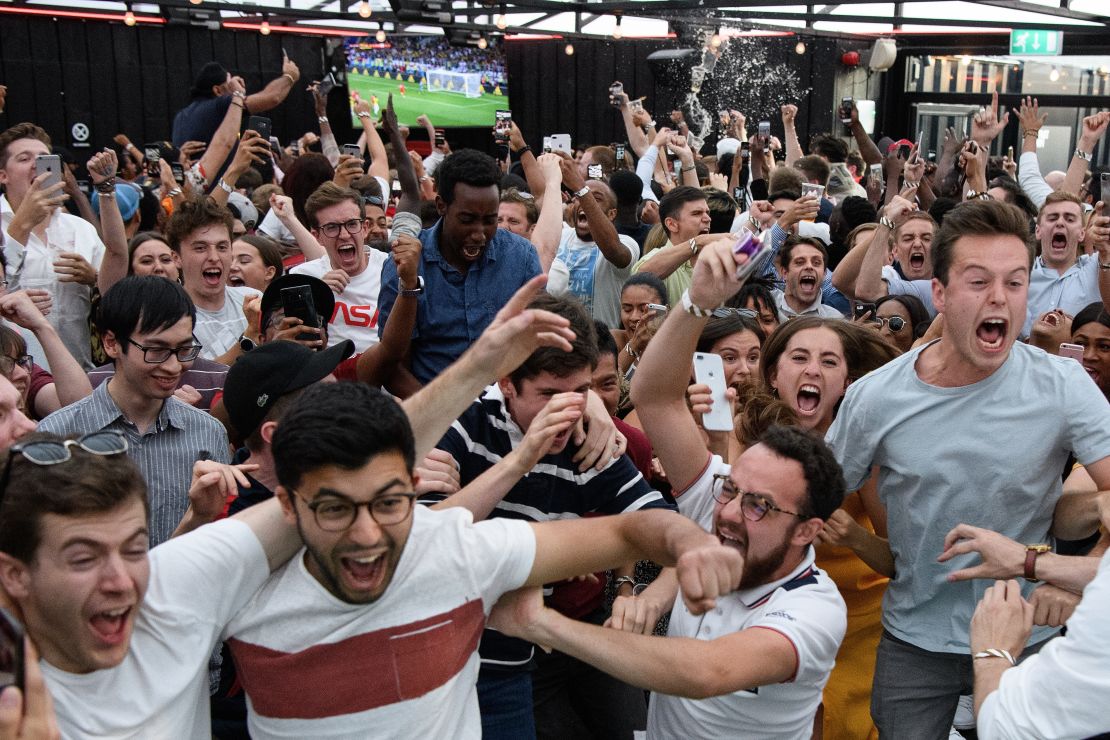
point(801, 264)
point(1062, 278)
point(754, 666)
point(337, 217)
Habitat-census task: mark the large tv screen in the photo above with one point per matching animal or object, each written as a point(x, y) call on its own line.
point(452, 85)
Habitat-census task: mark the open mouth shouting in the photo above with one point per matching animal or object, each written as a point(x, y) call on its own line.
point(213, 276)
point(730, 540)
point(473, 251)
point(363, 572)
point(235, 280)
point(809, 399)
point(991, 334)
point(917, 260)
point(1059, 245)
point(807, 283)
point(111, 627)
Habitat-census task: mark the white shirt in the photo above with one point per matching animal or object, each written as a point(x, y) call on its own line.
point(356, 308)
point(1071, 292)
point(32, 266)
point(1062, 690)
point(591, 277)
point(805, 607)
point(404, 666)
point(817, 308)
point(218, 331)
point(160, 690)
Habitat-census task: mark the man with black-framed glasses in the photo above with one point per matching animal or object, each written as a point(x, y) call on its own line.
point(147, 325)
point(337, 217)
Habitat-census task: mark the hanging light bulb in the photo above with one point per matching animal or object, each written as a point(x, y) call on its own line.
point(1054, 75)
point(715, 40)
point(965, 59)
point(196, 2)
point(364, 9)
point(500, 21)
point(264, 29)
point(617, 28)
point(800, 47)
point(129, 18)
point(380, 35)
point(569, 50)
point(482, 43)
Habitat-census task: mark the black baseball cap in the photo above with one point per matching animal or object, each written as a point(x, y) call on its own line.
point(321, 296)
point(260, 377)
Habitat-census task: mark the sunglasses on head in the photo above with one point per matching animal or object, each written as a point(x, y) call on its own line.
point(51, 452)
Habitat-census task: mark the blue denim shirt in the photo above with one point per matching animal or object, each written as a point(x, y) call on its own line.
point(455, 308)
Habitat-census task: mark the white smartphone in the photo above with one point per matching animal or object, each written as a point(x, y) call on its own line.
point(557, 143)
point(1074, 351)
point(709, 370)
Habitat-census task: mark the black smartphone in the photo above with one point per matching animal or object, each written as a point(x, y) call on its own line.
point(614, 90)
point(745, 150)
point(298, 302)
point(152, 153)
point(178, 173)
point(440, 138)
point(261, 124)
point(11, 651)
point(84, 186)
point(859, 308)
point(740, 195)
point(620, 152)
point(503, 126)
point(846, 110)
point(326, 85)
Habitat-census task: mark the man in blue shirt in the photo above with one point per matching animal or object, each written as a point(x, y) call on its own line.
point(468, 269)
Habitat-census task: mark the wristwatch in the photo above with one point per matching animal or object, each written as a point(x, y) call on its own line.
point(412, 291)
point(973, 194)
point(582, 193)
point(246, 344)
point(1031, 553)
point(1085, 156)
point(1104, 265)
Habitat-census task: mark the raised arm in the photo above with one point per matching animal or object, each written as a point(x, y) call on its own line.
point(601, 228)
point(252, 149)
point(1091, 132)
point(277, 90)
point(867, 148)
point(869, 283)
point(282, 206)
point(377, 364)
point(532, 172)
point(226, 136)
point(549, 227)
point(794, 150)
point(71, 384)
point(406, 175)
point(663, 372)
point(113, 266)
point(379, 164)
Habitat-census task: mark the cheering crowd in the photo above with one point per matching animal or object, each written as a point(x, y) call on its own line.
point(325, 440)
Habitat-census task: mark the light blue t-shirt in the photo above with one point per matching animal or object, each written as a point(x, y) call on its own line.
point(988, 454)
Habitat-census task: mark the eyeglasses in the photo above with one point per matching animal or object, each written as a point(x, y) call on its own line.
point(8, 363)
point(50, 452)
point(336, 513)
point(353, 226)
point(897, 323)
point(158, 355)
point(724, 312)
point(752, 505)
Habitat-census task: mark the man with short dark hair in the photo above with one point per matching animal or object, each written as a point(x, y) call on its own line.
point(200, 233)
point(215, 89)
point(974, 394)
point(146, 324)
point(801, 265)
point(550, 385)
point(756, 665)
point(468, 266)
point(684, 214)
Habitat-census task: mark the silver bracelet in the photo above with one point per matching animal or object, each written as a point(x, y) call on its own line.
point(322, 119)
point(995, 653)
point(1085, 156)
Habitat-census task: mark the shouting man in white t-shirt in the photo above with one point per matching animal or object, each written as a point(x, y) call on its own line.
point(338, 220)
point(200, 233)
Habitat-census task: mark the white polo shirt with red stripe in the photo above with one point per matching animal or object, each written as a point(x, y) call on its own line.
point(404, 666)
point(805, 607)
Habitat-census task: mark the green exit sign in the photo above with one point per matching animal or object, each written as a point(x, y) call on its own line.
point(1034, 42)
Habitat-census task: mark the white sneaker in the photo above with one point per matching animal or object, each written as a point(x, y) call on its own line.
point(965, 714)
point(954, 734)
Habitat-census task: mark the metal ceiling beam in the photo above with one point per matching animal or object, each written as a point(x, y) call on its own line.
point(1062, 12)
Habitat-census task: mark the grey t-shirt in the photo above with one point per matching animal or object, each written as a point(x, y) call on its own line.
point(989, 454)
point(898, 285)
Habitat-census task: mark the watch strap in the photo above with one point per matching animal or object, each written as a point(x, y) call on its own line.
point(582, 193)
point(411, 291)
point(1030, 569)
